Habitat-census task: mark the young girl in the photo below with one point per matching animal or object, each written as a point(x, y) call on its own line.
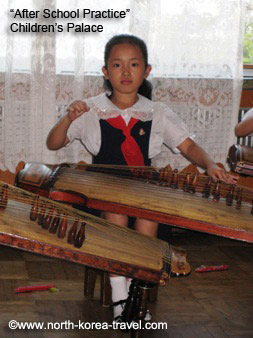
point(127, 128)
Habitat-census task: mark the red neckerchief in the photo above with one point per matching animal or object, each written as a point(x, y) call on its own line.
point(130, 149)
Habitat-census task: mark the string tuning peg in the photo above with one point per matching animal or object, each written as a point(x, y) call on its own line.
point(174, 179)
point(138, 172)
point(55, 223)
point(62, 227)
point(35, 208)
point(193, 184)
point(155, 176)
point(162, 177)
point(166, 177)
point(72, 233)
point(230, 195)
point(207, 188)
point(189, 184)
point(239, 199)
point(142, 172)
point(48, 218)
point(186, 182)
point(80, 236)
point(216, 191)
point(150, 174)
point(41, 214)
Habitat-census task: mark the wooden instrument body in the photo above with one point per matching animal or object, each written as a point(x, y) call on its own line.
point(139, 199)
point(240, 159)
point(106, 247)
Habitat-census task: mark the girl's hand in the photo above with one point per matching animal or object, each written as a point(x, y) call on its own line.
point(218, 173)
point(76, 109)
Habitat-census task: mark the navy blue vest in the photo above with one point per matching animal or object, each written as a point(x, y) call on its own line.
point(112, 138)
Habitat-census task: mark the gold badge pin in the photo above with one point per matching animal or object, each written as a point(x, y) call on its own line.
point(142, 132)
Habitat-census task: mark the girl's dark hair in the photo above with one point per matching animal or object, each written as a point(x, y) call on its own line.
point(146, 87)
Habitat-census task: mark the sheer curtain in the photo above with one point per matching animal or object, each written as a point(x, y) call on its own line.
point(195, 49)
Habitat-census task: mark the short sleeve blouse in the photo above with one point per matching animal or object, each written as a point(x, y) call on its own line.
point(167, 128)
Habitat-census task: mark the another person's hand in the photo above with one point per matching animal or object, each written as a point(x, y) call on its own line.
point(218, 173)
point(76, 109)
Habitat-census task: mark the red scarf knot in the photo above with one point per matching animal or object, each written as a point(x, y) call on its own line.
point(130, 149)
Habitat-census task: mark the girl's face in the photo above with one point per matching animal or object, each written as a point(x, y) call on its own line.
point(126, 69)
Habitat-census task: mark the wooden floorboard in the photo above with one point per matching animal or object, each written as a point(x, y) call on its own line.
point(214, 304)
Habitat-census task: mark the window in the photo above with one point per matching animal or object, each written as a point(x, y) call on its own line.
point(19, 49)
point(90, 46)
point(248, 34)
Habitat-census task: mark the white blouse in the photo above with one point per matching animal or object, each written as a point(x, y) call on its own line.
point(167, 128)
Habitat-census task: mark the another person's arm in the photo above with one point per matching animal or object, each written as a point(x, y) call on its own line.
point(244, 127)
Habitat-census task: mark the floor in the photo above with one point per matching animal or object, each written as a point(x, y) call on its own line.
point(211, 304)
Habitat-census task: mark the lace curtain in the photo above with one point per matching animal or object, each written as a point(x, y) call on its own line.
point(195, 50)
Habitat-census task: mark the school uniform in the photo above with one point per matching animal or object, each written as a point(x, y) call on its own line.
point(131, 136)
